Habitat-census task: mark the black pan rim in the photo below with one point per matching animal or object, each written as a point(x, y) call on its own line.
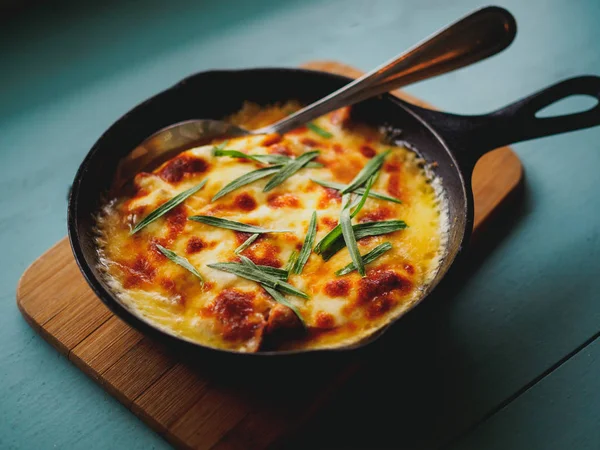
point(148, 328)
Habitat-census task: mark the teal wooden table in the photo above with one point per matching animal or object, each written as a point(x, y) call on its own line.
point(509, 358)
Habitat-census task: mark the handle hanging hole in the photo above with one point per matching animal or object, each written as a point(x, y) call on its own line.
point(569, 105)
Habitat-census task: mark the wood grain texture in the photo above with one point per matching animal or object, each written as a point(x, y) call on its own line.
point(190, 405)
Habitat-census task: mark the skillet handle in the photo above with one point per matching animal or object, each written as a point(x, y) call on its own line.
point(473, 136)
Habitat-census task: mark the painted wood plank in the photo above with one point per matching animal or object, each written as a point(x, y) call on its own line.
point(562, 411)
point(174, 393)
point(77, 321)
point(41, 272)
point(138, 369)
point(105, 346)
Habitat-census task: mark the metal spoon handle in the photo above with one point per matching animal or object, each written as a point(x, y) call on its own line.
point(476, 36)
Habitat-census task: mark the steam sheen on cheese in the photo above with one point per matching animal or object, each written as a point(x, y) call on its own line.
point(233, 313)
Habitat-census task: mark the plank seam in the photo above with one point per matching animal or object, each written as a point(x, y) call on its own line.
point(522, 390)
point(88, 335)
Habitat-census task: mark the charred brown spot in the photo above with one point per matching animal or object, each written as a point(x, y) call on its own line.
point(309, 142)
point(245, 202)
point(337, 288)
point(168, 285)
point(234, 310)
point(329, 196)
point(139, 271)
point(410, 269)
point(376, 215)
point(338, 148)
point(379, 288)
point(241, 237)
point(285, 200)
point(176, 221)
point(381, 282)
point(392, 166)
point(329, 222)
point(271, 139)
point(265, 260)
point(367, 151)
point(195, 245)
point(393, 186)
point(280, 149)
point(177, 168)
point(324, 320)
point(264, 254)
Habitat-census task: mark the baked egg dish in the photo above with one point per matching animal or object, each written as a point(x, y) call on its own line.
point(312, 239)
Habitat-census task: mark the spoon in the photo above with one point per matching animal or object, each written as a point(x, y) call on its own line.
point(476, 36)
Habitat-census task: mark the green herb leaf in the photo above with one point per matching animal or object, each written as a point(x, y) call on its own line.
point(248, 262)
point(341, 186)
point(279, 298)
point(366, 258)
point(246, 244)
point(363, 199)
point(281, 274)
point(257, 274)
point(328, 240)
point(167, 206)
point(289, 267)
point(245, 179)
point(336, 242)
point(366, 172)
point(350, 240)
point(232, 225)
point(274, 271)
point(180, 260)
point(309, 241)
point(347, 200)
point(320, 131)
point(290, 169)
point(313, 165)
point(265, 159)
point(336, 232)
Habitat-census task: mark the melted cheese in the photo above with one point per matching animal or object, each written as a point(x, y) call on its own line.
point(234, 313)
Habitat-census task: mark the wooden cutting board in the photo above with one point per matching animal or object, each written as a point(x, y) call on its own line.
point(194, 406)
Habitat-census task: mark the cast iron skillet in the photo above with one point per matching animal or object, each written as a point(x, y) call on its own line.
point(454, 142)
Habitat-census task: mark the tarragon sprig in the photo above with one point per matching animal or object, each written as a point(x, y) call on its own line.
point(167, 206)
point(180, 260)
